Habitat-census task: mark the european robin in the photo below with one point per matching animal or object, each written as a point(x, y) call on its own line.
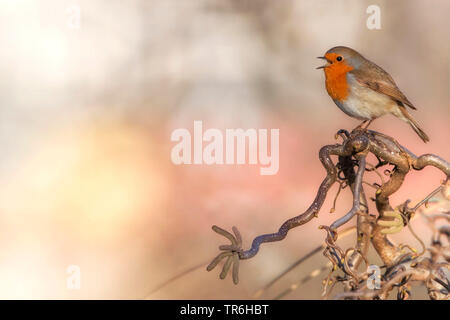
point(364, 90)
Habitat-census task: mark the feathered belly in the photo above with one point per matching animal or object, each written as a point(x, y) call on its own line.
point(364, 103)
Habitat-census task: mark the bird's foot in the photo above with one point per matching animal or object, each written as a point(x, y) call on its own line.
point(361, 127)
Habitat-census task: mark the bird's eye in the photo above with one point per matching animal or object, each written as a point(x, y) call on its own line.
point(339, 58)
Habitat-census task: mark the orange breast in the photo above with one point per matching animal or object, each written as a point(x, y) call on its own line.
point(336, 81)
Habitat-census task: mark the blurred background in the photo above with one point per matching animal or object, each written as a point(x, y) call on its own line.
point(91, 91)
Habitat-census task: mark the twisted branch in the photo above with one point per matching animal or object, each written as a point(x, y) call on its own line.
point(352, 152)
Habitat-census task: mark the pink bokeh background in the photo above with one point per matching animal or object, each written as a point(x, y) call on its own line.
point(86, 175)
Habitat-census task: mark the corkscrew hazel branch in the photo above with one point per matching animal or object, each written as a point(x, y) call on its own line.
point(352, 152)
point(231, 252)
point(356, 195)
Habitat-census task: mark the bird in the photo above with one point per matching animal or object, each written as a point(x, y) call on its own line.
point(363, 90)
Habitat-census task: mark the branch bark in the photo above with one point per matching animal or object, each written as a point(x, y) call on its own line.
point(351, 152)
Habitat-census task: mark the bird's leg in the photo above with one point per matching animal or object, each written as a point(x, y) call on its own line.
point(368, 124)
point(361, 125)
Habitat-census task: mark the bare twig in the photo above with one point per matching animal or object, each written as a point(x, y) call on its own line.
point(401, 268)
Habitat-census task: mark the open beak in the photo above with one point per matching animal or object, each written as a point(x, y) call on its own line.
point(325, 65)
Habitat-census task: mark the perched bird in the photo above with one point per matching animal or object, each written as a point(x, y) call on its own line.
point(363, 90)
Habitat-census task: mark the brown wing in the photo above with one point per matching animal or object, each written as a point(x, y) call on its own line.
point(375, 78)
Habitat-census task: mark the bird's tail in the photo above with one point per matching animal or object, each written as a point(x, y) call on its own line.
point(419, 131)
point(413, 123)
